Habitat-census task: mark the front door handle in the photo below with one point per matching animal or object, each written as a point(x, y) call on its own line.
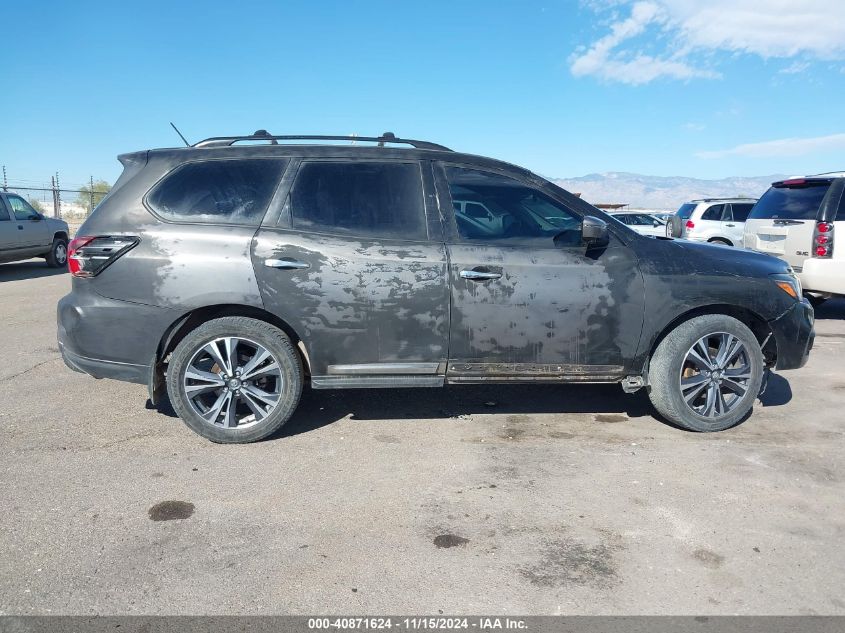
point(20, 227)
point(479, 275)
point(729, 225)
point(286, 264)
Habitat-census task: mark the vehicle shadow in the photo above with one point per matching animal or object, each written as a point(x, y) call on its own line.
point(777, 392)
point(30, 269)
point(831, 309)
point(318, 408)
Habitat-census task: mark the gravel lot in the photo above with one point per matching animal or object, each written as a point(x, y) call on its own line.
point(529, 500)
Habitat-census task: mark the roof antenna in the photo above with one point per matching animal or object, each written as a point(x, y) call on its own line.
point(187, 144)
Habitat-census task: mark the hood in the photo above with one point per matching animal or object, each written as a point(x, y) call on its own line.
point(55, 223)
point(728, 260)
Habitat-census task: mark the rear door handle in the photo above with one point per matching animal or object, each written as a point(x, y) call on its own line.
point(729, 225)
point(479, 275)
point(286, 264)
point(20, 227)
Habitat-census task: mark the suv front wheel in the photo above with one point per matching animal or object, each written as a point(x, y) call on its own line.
point(235, 379)
point(706, 373)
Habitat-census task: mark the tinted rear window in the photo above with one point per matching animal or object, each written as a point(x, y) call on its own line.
point(790, 203)
point(218, 191)
point(686, 210)
point(367, 199)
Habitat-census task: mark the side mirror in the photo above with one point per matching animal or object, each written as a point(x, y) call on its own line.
point(594, 233)
point(656, 224)
point(36, 218)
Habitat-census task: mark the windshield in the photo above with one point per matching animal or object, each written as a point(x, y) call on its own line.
point(686, 210)
point(790, 203)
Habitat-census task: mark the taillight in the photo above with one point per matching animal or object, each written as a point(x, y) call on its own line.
point(88, 255)
point(690, 224)
point(823, 239)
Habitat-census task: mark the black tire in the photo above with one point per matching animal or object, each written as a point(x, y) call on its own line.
point(273, 340)
point(57, 257)
point(719, 240)
point(670, 360)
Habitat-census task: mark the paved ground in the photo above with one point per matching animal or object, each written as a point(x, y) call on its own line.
point(549, 500)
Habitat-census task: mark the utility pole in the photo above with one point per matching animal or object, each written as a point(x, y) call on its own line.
point(58, 197)
point(55, 197)
point(5, 182)
point(91, 191)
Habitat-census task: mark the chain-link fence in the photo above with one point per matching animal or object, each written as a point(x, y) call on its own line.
point(72, 203)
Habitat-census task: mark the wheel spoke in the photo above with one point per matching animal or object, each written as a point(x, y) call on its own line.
point(734, 386)
point(214, 352)
point(265, 397)
point(261, 355)
point(270, 368)
point(735, 351)
point(738, 373)
point(695, 357)
point(230, 414)
point(726, 343)
point(256, 407)
point(692, 387)
point(214, 411)
point(710, 403)
point(230, 348)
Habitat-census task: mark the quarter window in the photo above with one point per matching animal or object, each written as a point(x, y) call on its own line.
point(218, 191)
point(740, 212)
point(513, 211)
point(713, 213)
point(366, 199)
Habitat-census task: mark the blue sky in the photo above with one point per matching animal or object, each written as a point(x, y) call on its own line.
point(661, 87)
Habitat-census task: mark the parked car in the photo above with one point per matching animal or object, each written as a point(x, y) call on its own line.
point(798, 220)
point(232, 273)
point(642, 223)
point(26, 233)
point(662, 216)
point(716, 220)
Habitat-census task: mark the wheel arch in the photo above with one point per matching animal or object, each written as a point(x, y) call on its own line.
point(756, 323)
point(189, 321)
point(721, 240)
point(61, 235)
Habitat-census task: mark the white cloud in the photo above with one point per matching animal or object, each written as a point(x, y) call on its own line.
point(691, 29)
point(781, 147)
point(692, 126)
point(795, 68)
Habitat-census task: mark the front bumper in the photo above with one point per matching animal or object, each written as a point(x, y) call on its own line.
point(794, 335)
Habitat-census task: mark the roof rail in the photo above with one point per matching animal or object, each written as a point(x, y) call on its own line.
point(264, 135)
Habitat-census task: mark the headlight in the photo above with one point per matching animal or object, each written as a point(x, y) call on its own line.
point(789, 283)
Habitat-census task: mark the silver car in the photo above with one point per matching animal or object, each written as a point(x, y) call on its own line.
point(715, 220)
point(25, 233)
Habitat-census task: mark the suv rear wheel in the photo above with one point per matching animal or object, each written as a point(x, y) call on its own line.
point(235, 379)
point(706, 373)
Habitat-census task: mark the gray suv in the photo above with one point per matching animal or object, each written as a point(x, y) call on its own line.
point(233, 272)
point(25, 233)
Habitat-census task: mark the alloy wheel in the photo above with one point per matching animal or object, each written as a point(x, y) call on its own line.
point(233, 382)
point(715, 374)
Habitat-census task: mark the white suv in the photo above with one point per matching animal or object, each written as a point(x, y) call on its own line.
point(717, 220)
point(797, 221)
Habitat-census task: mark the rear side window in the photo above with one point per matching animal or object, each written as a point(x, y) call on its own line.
point(218, 191)
point(790, 203)
point(686, 210)
point(714, 212)
point(741, 211)
point(365, 199)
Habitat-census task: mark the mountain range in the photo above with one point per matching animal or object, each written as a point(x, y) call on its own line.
point(661, 192)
